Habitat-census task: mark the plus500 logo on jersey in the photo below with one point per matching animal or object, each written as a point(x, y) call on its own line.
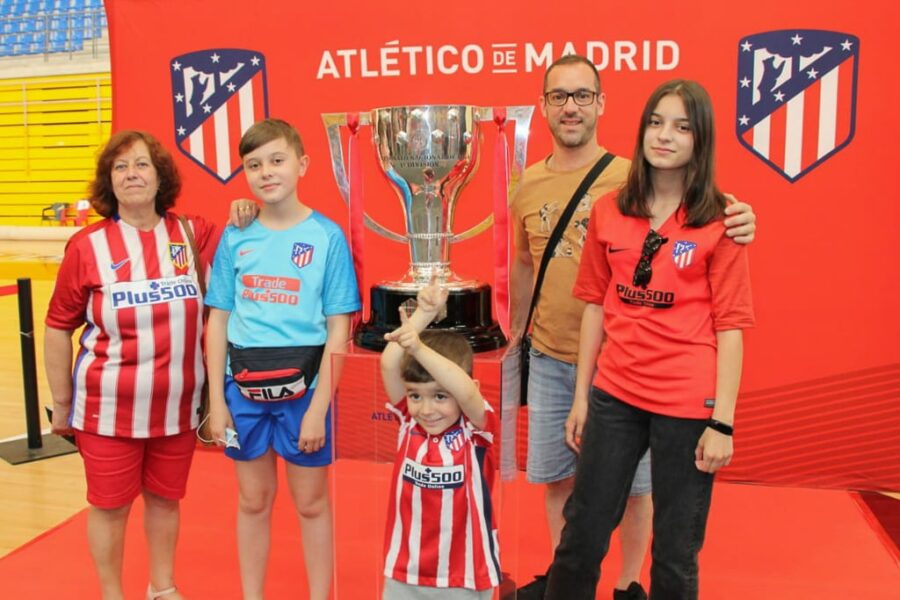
point(432, 477)
point(128, 294)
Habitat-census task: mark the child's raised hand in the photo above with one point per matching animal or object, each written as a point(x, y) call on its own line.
point(405, 335)
point(432, 298)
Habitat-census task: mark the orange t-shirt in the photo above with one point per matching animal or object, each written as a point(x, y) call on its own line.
point(659, 350)
point(536, 209)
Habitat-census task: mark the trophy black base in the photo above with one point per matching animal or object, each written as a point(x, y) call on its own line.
point(468, 314)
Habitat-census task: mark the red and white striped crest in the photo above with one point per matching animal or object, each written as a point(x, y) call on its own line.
point(683, 253)
point(302, 254)
point(796, 97)
point(217, 95)
point(178, 255)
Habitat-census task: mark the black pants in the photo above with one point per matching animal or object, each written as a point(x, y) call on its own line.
point(615, 437)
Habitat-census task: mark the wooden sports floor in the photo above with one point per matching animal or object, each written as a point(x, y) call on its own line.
point(36, 496)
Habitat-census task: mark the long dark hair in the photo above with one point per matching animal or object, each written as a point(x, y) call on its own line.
point(702, 199)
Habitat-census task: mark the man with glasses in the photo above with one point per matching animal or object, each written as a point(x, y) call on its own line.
point(572, 102)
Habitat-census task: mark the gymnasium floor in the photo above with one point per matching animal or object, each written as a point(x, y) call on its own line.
point(36, 496)
point(763, 543)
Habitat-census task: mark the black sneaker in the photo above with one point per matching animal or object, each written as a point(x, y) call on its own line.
point(534, 590)
point(634, 592)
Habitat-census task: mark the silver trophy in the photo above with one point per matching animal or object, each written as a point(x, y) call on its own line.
point(428, 154)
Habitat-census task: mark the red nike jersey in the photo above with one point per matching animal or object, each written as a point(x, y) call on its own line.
point(139, 371)
point(659, 351)
point(441, 530)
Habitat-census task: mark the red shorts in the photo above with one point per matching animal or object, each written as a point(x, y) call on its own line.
point(118, 468)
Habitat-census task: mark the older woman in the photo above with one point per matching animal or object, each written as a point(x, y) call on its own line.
point(133, 396)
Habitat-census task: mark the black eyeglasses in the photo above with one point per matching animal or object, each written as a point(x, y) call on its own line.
point(643, 271)
point(560, 97)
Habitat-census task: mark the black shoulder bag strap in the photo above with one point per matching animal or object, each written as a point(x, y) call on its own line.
point(561, 225)
point(555, 236)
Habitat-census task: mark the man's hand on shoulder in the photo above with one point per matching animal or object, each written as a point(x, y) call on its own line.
point(740, 221)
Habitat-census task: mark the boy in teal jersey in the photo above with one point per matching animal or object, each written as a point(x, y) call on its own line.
point(281, 295)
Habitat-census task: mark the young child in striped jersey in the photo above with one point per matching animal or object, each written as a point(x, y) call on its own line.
point(441, 539)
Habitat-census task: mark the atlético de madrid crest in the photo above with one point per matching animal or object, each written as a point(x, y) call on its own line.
point(217, 95)
point(796, 104)
point(302, 254)
point(178, 255)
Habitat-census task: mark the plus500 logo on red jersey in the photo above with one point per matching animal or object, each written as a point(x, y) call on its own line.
point(128, 294)
point(432, 477)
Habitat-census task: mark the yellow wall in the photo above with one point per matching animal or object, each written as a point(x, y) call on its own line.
point(50, 130)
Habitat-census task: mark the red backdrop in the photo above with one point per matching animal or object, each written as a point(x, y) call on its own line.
point(822, 368)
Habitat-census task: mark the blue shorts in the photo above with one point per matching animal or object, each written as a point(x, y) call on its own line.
point(551, 387)
point(276, 425)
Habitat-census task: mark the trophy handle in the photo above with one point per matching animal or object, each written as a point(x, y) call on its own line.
point(333, 123)
point(522, 116)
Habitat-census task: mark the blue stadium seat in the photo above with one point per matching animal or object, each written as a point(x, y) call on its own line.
point(33, 6)
point(58, 46)
point(25, 38)
point(26, 25)
point(6, 49)
point(8, 26)
point(93, 26)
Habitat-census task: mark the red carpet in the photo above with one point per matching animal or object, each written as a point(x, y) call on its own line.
point(763, 544)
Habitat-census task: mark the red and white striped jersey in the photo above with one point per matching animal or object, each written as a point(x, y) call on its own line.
point(139, 371)
point(441, 530)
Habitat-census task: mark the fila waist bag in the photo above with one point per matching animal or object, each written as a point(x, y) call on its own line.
point(272, 374)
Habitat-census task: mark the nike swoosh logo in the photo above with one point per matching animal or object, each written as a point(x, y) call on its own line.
point(611, 249)
point(118, 265)
point(243, 252)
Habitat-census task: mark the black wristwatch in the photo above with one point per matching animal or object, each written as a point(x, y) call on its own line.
point(719, 426)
